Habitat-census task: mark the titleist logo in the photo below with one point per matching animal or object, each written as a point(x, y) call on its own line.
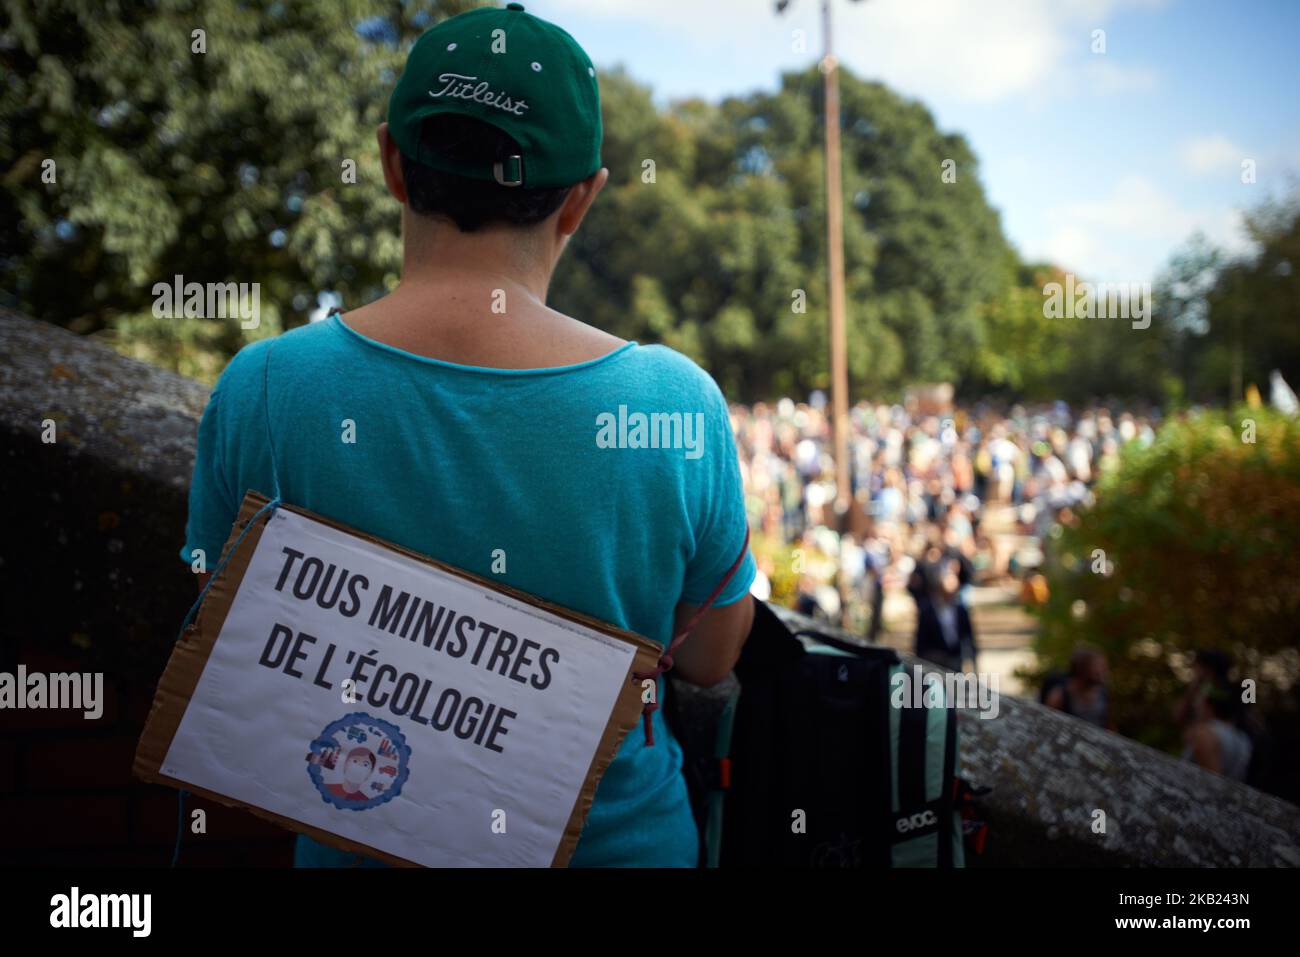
point(465, 88)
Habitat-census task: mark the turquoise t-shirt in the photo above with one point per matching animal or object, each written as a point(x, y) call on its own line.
point(458, 461)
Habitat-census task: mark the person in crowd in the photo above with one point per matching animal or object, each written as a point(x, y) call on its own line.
point(1082, 692)
point(877, 561)
point(1214, 739)
point(913, 471)
point(481, 420)
point(1210, 670)
point(944, 634)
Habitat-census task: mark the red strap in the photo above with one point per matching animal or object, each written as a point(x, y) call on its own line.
point(666, 659)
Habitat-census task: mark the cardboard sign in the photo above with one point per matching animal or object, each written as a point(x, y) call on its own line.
point(389, 705)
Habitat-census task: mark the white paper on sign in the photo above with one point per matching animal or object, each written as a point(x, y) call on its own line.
point(461, 747)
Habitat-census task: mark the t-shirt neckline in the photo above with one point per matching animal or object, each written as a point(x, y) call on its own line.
point(337, 320)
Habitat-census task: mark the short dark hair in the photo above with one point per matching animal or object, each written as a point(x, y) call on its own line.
point(1083, 655)
point(1218, 663)
point(470, 203)
point(1224, 702)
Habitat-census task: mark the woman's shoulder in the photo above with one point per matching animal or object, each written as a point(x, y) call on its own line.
point(292, 346)
point(665, 371)
point(275, 363)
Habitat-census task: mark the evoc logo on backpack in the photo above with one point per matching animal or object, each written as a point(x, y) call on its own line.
point(916, 821)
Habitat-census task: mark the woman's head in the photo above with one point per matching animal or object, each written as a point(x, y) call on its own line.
point(1088, 665)
point(1213, 665)
point(472, 204)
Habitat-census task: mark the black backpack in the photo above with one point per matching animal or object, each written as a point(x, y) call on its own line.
point(801, 760)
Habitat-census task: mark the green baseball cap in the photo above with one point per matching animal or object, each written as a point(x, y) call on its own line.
point(521, 74)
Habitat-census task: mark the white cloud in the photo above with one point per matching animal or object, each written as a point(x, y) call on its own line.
point(1105, 77)
point(979, 51)
point(1127, 235)
point(1211, 154)
point(983, 52)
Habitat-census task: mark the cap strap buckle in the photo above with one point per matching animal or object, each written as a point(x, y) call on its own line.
point(516, 167)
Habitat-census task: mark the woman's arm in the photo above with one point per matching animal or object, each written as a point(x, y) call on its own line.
point(710, 651)
point(1205, 748)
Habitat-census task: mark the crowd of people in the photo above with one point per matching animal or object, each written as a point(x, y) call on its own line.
point(924, 477)
point(1219, 733)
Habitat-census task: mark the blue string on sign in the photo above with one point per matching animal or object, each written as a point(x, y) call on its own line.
point(270, 506)
point(180, 824)
point(266, 408)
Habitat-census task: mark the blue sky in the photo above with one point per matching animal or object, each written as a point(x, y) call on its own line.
point(1103, 162)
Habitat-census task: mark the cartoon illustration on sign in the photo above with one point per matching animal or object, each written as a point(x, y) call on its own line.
point(359, 766)
point(345, 769)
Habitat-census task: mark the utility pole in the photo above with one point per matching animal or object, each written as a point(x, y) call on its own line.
point(1236, 386)
point(835, 275)
point(835, 267)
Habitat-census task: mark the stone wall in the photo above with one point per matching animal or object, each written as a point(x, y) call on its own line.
point(91, 580)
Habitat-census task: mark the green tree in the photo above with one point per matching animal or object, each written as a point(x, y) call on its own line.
point(221, 166)
point(1254, 307)
point(732, 233)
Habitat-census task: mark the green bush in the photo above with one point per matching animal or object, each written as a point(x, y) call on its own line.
point(1199, 533)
